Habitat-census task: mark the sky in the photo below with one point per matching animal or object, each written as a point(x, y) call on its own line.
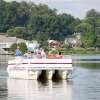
point(76, 8)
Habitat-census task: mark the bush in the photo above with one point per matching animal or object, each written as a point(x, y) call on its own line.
point(13, 47)
point(21, 45)
point(54, 52)
point(90, 49)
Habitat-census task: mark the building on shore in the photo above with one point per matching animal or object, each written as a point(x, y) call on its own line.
point(6, 42)
point(73, 40)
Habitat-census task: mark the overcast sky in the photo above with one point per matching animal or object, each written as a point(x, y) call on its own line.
point(77, 8)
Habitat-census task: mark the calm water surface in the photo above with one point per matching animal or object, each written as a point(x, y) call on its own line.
point(84, 85)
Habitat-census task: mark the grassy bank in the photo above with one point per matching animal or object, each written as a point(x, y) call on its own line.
point(80, 51)
point(72, 51)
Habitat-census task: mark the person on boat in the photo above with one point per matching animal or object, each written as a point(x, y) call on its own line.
point(38, 53)
point(29, 55)
point(43, 54)
point(18, 52)
point(59, 56)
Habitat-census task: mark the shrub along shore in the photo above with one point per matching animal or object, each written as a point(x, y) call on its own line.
point(72, 51)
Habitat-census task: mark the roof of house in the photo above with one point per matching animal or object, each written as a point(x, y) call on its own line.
point(7, 39)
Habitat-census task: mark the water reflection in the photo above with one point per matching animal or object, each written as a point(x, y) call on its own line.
point(89, 61)
point(88, 65)
point(91, 65)
point(3, 88)
point(30, 89)
point(86, 85)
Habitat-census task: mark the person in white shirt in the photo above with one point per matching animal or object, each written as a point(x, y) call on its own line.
point(40, 53)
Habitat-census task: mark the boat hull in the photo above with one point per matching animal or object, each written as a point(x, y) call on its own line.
point(32, 68)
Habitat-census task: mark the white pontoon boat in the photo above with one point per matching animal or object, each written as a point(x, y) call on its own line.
point(31, 68)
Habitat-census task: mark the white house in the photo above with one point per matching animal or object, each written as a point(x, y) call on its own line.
point(73, 40)
point(6, 42)
point(53, 43)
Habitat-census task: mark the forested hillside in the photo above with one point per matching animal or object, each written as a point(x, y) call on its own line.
point(31, 21)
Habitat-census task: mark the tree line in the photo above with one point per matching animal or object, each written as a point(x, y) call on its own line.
point(30, 21)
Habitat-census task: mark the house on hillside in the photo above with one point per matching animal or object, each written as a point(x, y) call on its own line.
point(73, 40)
point(6, 42)
point(53, 43)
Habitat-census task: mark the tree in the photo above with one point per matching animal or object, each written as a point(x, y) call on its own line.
point(91, 17)
point(93, 13)
point(21, 45)
point(42, 38)
point(97, 30)
point(23, 14)
point(19, 32)
point(97, 43)
point(3, 24)
point(73, 25)
point(27, 20)
point(88, 39)
point(83, 27)
point(13, 47)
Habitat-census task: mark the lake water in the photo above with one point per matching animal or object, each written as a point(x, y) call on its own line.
point(84, 84)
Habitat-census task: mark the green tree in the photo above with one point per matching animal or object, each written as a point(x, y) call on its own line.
point(91, 17)
point(19, 32)
point(13, 47)
point(42, 37)
point(93, 13)
point(97, 43)
point(27, 20)
point(23, 14)
point(97, 30)
point(73, 25)
point(3, 24)
point(88, 39)
point(83, 27)
point(23, 47)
